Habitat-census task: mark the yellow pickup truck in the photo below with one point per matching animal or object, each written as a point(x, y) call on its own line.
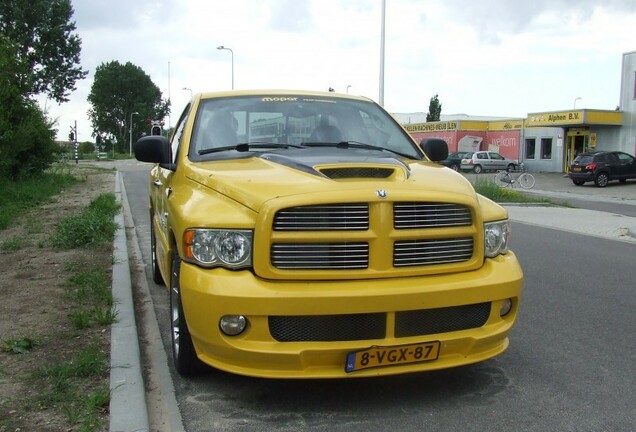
point(306, 235)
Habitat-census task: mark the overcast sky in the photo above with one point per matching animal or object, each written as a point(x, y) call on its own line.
point(483, 58)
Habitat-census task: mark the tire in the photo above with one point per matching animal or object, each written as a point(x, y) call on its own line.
point(578, 182)
point(454, 167)
point(477, 169)
point(526, 181)
point(499, 179)
point(156, 273)
point(185, 358)
point(601, 179)
point(510, 167)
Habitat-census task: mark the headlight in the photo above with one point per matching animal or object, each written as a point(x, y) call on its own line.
point(214, 247)
point(496, 236)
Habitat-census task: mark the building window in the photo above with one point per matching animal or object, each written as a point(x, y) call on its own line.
point(546, 148)
point(530, 144)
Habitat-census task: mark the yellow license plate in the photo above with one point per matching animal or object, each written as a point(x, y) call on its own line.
point(391, 356)
point(577, 168)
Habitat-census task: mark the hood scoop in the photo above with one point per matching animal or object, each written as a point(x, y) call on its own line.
point(357, 172)
point(342, 167)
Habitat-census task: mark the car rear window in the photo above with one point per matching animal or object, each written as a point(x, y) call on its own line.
point(583, 159)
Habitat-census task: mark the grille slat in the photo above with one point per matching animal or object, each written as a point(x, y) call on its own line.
point(320, 255)
point(349, 217)
point(427, 252)
point(413, 215)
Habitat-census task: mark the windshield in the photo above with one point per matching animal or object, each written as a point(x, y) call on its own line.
point(266, 123)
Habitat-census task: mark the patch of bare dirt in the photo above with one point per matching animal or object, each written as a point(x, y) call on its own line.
point(33, 305)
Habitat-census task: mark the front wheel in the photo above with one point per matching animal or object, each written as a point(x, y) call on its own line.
point(477, 169)
point(185, 358)
point(526, 180)
point(601, 179)
point(578, 182)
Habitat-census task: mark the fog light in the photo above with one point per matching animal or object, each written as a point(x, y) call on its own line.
point(233, 325)
point(506, 307)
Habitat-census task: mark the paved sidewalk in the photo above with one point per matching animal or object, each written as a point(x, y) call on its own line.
point(588, 222)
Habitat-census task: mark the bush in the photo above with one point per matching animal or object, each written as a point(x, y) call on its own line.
point(93, 227)
point(86, 147)
point(27, 147)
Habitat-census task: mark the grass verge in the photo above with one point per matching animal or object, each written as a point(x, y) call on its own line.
point(488, 188)
point(54, 373)
point(19, 196)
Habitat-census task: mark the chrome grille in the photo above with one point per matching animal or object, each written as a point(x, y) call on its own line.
point(427, 252)
point(323, 256)
point(412, 215)
point(323, 218)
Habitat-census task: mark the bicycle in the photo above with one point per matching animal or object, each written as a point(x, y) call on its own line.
point(506, 178)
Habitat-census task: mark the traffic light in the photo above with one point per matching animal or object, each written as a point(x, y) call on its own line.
point(72, 135)
point(156, 127)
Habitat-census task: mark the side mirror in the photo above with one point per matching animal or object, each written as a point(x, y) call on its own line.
point(155, 149)
point(436, 149)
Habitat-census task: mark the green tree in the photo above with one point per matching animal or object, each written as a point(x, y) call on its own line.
point(44, 46)
point(434, 110)
point(26, 139)
point(119, 94)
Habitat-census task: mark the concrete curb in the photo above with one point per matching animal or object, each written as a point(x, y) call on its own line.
point(128, 410)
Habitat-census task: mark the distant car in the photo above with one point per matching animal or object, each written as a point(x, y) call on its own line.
point(601, 167)
point(454, 160)
point(486, 161)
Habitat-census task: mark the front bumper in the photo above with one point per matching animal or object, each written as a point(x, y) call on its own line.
point(207, 295)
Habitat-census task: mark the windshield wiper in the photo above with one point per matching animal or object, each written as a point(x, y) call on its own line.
point(355, 144)
point(243, 147)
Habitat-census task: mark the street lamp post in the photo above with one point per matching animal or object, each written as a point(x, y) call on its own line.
point(348, 86)
point(131, 116)
point(190, 90)
point(221, 47)
point(576, 99)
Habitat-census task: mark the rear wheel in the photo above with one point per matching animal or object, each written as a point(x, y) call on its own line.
point(503, 179)
point(185, 358)
point(526, 180)
point(454, 167)
point(601, 179)
point(477, 169)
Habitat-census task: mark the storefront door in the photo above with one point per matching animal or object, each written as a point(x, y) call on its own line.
point(577, 142)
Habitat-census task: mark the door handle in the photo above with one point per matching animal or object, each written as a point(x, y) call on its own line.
point(157, 183)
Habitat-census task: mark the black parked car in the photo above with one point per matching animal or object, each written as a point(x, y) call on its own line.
point(602, 167)
point(455, 159)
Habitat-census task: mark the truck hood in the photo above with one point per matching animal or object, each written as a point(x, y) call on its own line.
point(253, 181)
